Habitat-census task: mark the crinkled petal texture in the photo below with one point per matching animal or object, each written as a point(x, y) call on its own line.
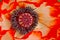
point(29, 20)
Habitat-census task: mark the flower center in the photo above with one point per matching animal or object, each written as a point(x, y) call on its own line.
point(25, 20)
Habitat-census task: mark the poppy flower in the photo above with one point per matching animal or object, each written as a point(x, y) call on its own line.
point(29, 20)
